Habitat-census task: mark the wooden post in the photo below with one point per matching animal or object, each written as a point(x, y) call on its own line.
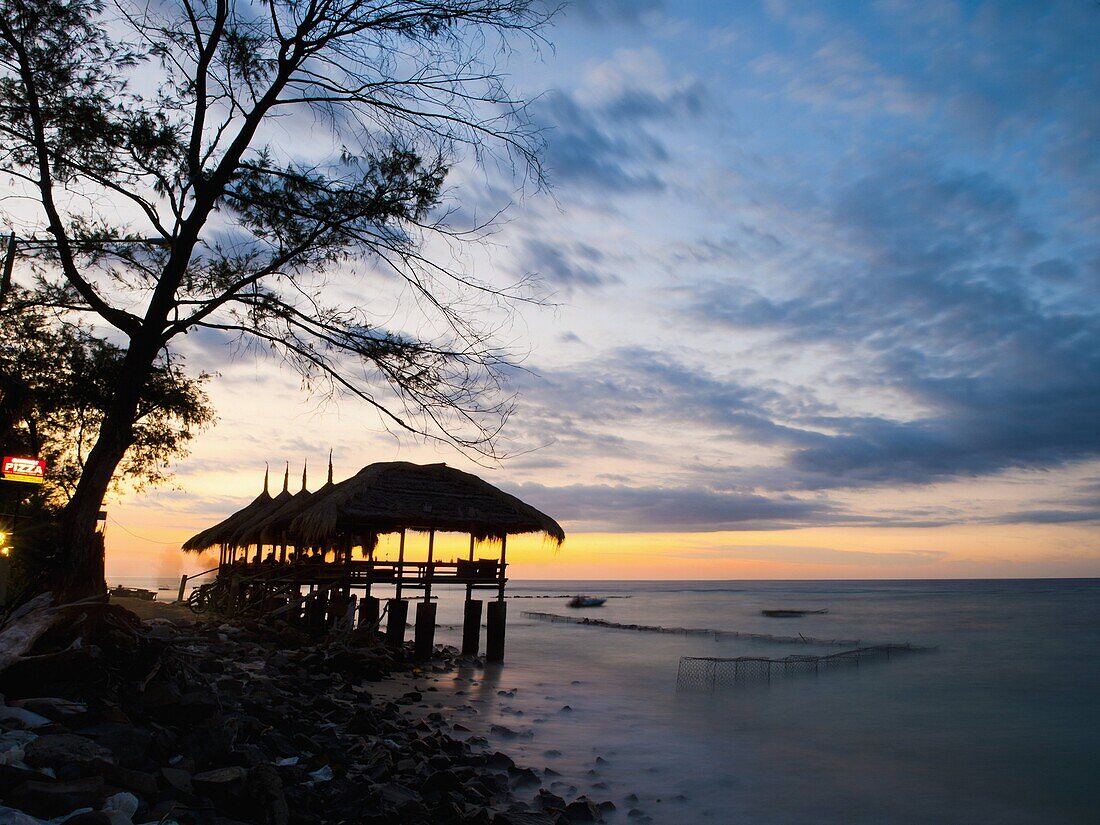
point(494, 636)
point(369, 608)
point(424, 633)
point(503, 565)
point(400, 566)
point(399, 617)
point(470, 587)
point(428, 568)
point(183, 587)
point(471, 627)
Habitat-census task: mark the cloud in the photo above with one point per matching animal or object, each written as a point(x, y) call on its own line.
point(655, 509)
point(1053, 516)
point(584, 150)
point(568, 265)
point(796, 554)
point(601, 13)
point(597, 135)
point(928, 292)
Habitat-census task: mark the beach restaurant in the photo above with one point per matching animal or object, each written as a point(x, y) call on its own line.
point(309, 557)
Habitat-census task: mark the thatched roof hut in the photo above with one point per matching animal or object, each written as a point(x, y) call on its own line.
point(221, 532)
point(244, 531)
point(391, 496)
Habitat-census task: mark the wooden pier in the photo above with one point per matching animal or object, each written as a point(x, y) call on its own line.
point(293, 556)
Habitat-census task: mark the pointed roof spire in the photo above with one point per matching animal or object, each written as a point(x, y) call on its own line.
point(330, 466)
point(286, 478)
point(267, 472)
point(305, 463)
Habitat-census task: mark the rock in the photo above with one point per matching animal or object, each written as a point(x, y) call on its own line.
point(21, 718)
point(123, 803)
point(583, 809)
point(52, 707)
point(519, 777)
point(521, 818)
point(265, 789)
point(141, 782)
point(89, 818)
point(57, 750)
point(499, 761)
point(221, 783)
point(50, 799)
point(129, 744)
point(177, 778)
point(550, 801)
point(406, 803)
point(10, 816)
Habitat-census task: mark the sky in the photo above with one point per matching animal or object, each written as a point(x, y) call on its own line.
point(822, 284)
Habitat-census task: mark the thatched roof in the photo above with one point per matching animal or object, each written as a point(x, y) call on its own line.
point(276, 530)
point(390, 496)
point(221, 532)
point(245, 532)
point(273, 529)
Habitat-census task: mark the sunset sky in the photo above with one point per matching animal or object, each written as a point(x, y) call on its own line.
point(825, 287)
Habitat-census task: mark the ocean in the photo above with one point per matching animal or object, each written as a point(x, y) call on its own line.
point(999, 723)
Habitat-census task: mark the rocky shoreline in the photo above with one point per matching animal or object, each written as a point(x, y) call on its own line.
point(106, 718)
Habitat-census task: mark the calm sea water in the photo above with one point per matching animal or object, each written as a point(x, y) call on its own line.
point(1000, 724)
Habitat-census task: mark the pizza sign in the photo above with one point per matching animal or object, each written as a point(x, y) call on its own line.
point(31, 470)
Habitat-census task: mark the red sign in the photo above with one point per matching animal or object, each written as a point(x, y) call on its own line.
point(31, 470)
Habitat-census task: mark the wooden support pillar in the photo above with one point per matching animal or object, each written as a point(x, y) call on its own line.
point(471, 627)
point(424, 633)
point(470, 587)
point(503, 567)
point(183, 588)
point(428, 568)
point(400, 568)
point(369, 609)
point(497, 620)
point(399, 617)
point(318, 604)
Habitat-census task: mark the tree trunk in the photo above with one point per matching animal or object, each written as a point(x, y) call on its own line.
point(83, 546)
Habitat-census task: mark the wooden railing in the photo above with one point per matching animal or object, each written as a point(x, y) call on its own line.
point(408, 573)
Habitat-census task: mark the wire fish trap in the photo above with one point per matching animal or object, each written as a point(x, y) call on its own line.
point(707, 673)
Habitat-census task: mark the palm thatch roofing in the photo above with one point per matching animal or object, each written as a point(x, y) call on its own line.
point(221, 532)
point(276, 528)
point(242, 535)
point(396, 495)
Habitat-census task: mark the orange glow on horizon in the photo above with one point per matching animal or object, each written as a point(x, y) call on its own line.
point(972, 551)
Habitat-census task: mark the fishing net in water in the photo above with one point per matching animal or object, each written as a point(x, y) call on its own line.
point(710, 673)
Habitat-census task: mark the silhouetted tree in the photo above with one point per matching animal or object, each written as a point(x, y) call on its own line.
point(175, 154)
point(57, 381)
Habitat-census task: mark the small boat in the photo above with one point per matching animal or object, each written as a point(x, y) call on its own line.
point(791, 614)
point(585, 601)
point(121, 592)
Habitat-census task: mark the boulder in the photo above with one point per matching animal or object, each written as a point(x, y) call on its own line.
point(521, 818)
point(583, 809)
point(58, 750)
